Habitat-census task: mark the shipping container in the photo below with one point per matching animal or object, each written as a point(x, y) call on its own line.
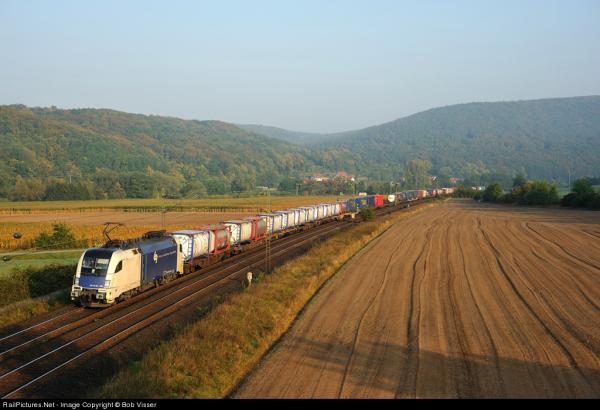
point(300, 215)
point(379, 200)
point(333, 209)
point(159, 258)
point(337, 208)
point(219, 241)
point(322, 211)
point(361, 203)
point(351, 206)
point(311, 213)
point(289, 219)
point(241, 231)
point(275, 222)
point(421, 193)
point(259, 227)
point(296, 216)
point(194, 244)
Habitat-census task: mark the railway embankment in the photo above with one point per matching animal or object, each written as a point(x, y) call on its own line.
point(209, 357)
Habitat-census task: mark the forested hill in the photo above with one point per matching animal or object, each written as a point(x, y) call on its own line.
point(541, 137)
point(295, 137)
point(115, 154)
point(49, 153)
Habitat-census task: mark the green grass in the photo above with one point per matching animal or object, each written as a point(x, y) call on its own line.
point(28, 308)
point(37, 261)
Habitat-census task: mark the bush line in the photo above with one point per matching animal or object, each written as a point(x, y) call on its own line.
point(34, 282)
point(208, 358)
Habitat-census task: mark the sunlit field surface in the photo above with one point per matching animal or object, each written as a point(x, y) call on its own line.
point(86, 218)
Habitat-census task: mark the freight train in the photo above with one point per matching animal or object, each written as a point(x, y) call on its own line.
point(120, 269)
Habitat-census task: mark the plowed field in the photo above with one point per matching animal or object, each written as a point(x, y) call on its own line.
point(464, 300)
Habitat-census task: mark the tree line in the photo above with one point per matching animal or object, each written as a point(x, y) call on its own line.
point(524, 192)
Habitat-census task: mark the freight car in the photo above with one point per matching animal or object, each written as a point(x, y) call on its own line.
point(121, 269)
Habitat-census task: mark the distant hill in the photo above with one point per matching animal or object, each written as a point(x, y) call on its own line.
point(295, 137)
point(49, 153)
point(138, 155)
point(540, 137)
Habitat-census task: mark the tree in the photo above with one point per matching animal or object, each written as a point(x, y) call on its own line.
point(61, 238)
point(540, 193)
point(583, 186)
point(584, 191)
point(27, 190)
point(417, 173)
point(492, 193)
point(194, 189)
point(519, 181)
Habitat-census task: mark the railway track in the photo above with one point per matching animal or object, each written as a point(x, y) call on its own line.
point(29, 355)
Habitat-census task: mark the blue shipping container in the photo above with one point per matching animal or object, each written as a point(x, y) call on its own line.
point(159, 259)
point(361, 202)
point(371, 201)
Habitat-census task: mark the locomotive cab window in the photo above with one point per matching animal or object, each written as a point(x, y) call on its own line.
point(95, 262)
point(119, 267)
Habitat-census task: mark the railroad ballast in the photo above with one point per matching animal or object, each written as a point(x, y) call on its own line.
point(121, 269)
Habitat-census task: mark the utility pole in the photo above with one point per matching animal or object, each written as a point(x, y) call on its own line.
point(268, 240)
point(569, 170)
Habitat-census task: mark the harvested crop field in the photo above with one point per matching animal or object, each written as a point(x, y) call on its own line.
point(464, 300)
point(86, 218)
point(87, 226)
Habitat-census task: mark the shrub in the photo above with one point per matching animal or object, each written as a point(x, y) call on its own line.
point(367, 214)
point(569, 200)
point(31, 283)
point(583, 195)
point(464, 192)
point(540, 193)
point(492, 193)
point(61, 238)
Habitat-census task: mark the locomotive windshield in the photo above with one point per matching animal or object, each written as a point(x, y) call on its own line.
point(95, 262)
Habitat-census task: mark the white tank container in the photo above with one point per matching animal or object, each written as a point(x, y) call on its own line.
point(241, 231)
point(193, 243)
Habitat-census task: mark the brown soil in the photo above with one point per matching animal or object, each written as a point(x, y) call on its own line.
point(465, 300)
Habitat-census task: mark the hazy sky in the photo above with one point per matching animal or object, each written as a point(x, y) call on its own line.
point(319, 66)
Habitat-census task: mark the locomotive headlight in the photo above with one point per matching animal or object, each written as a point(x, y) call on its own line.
point(107, 284)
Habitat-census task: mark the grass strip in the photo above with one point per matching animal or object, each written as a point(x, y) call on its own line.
point(26, 309)
point(208, 358)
